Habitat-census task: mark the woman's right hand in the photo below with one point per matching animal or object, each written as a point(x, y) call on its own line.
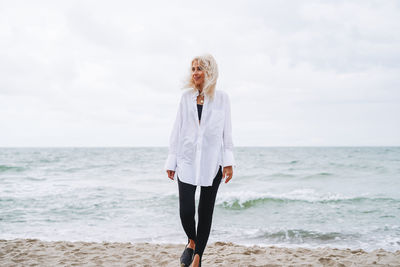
point(171, 174)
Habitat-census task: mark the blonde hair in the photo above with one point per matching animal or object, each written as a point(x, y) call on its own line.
point(210, 68)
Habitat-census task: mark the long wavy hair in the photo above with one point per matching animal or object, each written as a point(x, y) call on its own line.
point(210, 68)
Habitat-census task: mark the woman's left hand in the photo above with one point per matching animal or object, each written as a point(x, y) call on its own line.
point(228, 172)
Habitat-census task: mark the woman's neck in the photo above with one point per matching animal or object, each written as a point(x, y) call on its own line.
point(199, 88)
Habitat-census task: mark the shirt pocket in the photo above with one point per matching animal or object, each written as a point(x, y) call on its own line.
point(216, 123)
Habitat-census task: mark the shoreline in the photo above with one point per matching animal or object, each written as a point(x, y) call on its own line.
point(28, 252)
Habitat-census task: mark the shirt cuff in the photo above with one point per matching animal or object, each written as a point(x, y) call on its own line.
point(228, 159)
point(170, 164)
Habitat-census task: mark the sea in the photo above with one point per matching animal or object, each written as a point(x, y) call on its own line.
point(340, 197)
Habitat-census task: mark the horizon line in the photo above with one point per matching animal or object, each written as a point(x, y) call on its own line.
point(266, 146)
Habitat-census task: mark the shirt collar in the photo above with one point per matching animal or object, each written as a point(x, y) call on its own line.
point(195, 93)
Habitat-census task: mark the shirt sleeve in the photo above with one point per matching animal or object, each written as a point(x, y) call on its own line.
point(228, 158)
point(170, 163)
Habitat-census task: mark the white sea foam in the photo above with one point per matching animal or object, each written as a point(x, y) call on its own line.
point(306, 194)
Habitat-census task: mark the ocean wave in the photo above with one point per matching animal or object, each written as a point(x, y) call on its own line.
point(296, 175)
point(30, 178)
point(281, 175)
point(318, 175)
point(5, 168)
point(248, 199)
point(299, 235)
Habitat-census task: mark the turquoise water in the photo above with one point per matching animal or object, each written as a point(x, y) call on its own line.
point(344, 197)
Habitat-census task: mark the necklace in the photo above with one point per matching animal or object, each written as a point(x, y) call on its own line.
point(201, 97)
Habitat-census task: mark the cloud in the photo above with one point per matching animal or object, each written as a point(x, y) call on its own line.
point(298, 72)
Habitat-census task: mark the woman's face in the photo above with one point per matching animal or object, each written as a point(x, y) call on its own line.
point(197, 74)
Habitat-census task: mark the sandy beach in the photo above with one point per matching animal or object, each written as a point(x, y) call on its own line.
point(34, 252)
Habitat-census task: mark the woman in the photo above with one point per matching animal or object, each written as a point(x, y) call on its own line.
point(200, 153)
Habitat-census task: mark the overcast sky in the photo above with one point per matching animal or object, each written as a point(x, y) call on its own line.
point(109, 73)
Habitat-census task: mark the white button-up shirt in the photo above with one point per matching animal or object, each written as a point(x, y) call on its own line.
point(197, 150)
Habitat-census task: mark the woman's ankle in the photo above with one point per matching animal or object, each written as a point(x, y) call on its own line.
point(191, 244)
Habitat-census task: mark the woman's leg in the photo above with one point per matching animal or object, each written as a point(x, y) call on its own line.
point(187, 208)
point(205, 212)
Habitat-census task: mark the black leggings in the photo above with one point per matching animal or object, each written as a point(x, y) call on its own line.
point(205, 211)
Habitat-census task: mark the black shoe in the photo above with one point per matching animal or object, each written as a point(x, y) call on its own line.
point(187, 257)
